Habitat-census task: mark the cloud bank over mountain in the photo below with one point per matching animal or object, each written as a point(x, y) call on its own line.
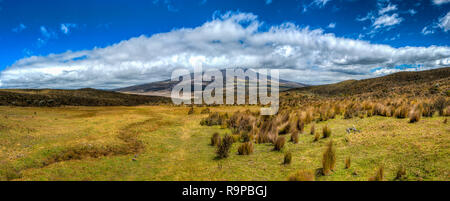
point(229, 40)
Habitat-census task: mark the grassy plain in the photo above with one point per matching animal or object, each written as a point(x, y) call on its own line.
point(94, 143)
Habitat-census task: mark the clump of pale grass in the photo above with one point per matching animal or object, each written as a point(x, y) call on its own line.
point(329, 159)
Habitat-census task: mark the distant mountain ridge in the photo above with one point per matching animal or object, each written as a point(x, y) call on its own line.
point(164, 88)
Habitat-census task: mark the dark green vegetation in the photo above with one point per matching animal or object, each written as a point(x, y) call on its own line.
point(80, 97)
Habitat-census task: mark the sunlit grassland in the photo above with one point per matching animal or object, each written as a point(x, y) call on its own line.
point(176, 146)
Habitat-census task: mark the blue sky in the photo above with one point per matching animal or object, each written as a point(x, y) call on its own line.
point(36, 35)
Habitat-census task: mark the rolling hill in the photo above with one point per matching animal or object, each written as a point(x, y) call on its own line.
point(419, 83)
point(79, 97)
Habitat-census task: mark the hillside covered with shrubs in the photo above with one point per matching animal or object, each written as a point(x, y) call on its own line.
point(79, 97)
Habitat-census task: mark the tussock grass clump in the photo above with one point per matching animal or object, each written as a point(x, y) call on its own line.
point(9, 172)
point(191, 111)
point(294, 137)
point(246, 148)
point(369, 113)
point(349, 113)
point(323, 114)
point(326, 131)
point(401, 112)
point(205, 111)
point(279, 143)
point(213, 119)
point(329, 159)
point(302, 175)
point(308, 116)
point(378, 109)
point(287, 158)
point(284, 128)
point(300, 126)
point(387, 111)
point(447, 111)
point(348, 162)
point(427, 110)
point(268, 131)
point(401, 173)
point(223, 149)
point(241, 121)
point(316, 137)
point(313, 129)
point(262, 138)
point(414, 115)
point(440, 104)
point(215, 139)
point(246, 136)
point(236, 138)
point(445, 121)
point(379, 175)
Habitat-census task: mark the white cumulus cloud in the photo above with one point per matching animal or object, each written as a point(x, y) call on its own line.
point(65, 28)
point(387, 20)
point(332, 25)
point(230, 40)
point(388, 8)
point(440, 2)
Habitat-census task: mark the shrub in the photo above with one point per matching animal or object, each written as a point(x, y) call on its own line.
point(279, 143)
point(224, 146)
point(294, 137)
point(379, 175)
point(401, 173)
point(313, 129)
point(414, 116)
point(191, 111)
point(347, 163)
point(215, 139)
point(246, 148)
point(326, 131)
point(287, 158)
point(302, 175)
point(329, 159)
